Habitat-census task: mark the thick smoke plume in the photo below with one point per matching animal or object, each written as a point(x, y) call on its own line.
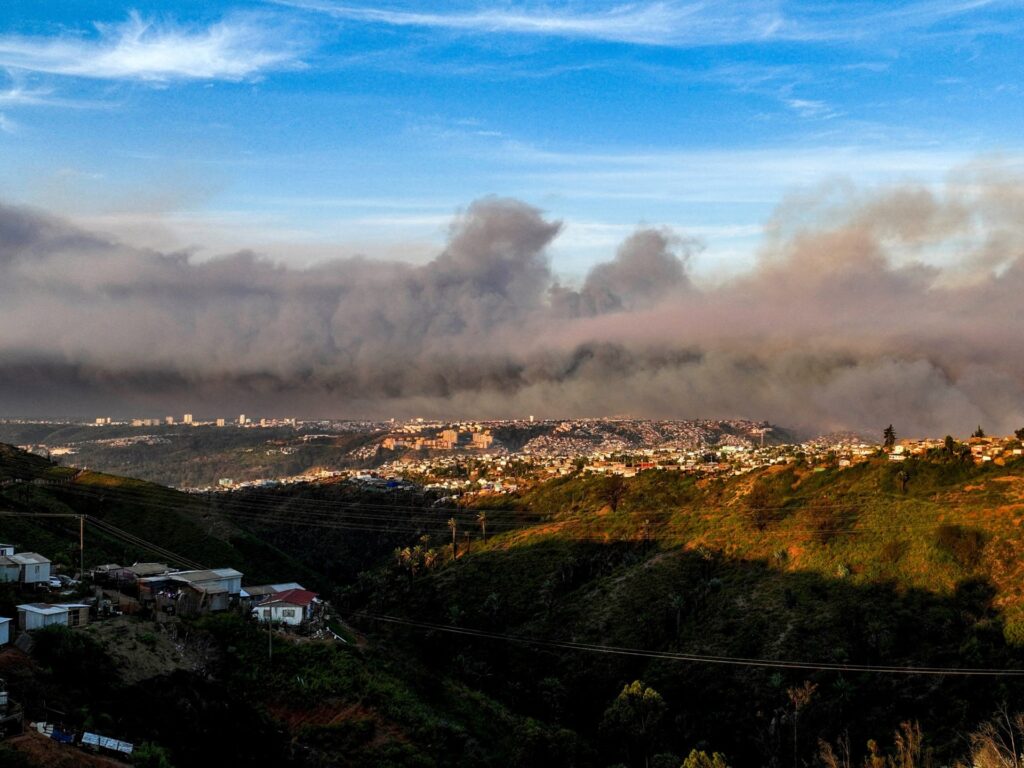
point(903, 306)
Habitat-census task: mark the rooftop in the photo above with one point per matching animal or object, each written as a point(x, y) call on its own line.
point(29, 558)
point(43, 608)
point(301, 597)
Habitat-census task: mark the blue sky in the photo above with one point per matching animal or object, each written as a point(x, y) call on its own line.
point(313, 128)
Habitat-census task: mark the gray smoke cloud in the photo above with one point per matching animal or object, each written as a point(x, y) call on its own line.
point(901, 305)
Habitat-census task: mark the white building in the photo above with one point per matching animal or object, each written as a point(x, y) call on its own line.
point(35, 569)
point(187, 419)
point(293, 607)
point(6, 550)
point(38, 615)
point(5, 631)
point(10, 571)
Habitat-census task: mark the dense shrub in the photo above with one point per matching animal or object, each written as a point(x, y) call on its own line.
point(963, 545)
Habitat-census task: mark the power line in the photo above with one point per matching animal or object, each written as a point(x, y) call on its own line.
point(694, 657)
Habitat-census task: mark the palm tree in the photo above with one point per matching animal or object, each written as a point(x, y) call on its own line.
point(482, 519)
point(454, 528)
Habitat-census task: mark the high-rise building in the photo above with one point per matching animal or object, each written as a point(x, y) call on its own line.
point(220, 422)
point(169, 420)
point(187, 419)
point(241, 419)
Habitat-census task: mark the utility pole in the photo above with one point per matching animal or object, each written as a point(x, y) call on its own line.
point(81, 547)
point(270, 635)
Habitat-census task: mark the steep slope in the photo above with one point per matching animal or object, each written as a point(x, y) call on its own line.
point(836, 567)
point(176, 523)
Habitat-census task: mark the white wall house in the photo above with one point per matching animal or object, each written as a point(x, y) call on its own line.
point(291, 607)
point(6, 549)
point(35, 568)
point(9, 570)
point(39, 615)
point(5, 631)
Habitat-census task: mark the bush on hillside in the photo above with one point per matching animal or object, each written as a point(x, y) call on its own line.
point(963, 545)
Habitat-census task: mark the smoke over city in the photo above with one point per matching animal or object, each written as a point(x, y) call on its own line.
point(904, 305)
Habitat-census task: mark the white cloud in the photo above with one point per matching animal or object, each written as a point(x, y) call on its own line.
point(231, 49)
point(673, 22)
point(658, 23)
point(811, 108)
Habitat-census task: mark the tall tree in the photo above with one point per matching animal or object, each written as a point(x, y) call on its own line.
point(799, 697)
point(889, 437)
point(635, 715)
point(454, 526)
point(979, 432)
point(613, 490)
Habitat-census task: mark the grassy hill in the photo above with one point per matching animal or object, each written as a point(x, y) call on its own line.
point(181, 523)
point(907, 565)
point(834, 566)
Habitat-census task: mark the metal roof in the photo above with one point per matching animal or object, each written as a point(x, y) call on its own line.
point(29, 558)
point(214, 574)
point(271, 589)
point(148, 569)
point(301, 597)
point(44, 608)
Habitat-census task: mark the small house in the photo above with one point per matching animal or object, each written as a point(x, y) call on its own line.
point(6, 550)
point(252, 596)
point(35, 569)
point(192, 592)
point(107, 572)
point(5, 631)
point(38, 615)
point(78, 613)
point(293, 607)
point(9, 570)
point(227, 579)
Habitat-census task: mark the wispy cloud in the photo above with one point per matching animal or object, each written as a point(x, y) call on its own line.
point(232, 49)
point(658, 23)
point(677, 22)
point(811, 108)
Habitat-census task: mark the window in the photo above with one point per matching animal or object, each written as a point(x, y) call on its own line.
point(288, 613)
point(267, 613)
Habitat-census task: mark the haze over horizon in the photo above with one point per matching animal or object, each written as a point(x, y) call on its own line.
point(795, 212)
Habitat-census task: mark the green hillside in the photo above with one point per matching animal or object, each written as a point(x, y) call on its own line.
point(835, 567)
point(183, 524)
point(585, 584)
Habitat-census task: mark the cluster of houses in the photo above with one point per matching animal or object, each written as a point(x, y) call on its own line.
point(157, 586)
point(32, 569)
point(192, 592)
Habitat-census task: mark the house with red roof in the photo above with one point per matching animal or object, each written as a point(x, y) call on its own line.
point(293, 606)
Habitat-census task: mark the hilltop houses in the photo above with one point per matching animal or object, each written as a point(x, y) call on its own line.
point(293, 607)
